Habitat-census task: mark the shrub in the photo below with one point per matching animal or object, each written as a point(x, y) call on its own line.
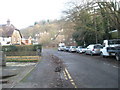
point(37, 47)
point(25, 48)
point(9, 48)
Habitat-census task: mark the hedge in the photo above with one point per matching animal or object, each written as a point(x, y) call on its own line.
point(21, 48)
point(9, 48)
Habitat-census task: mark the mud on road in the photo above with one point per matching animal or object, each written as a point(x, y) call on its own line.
point(59, 68)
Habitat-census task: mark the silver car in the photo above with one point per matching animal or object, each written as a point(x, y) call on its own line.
point(66, 48)
point(72, 49)
point(80, 49)
point(94, 49)
point(61, 48)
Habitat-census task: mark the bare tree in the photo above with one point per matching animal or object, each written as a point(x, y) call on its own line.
point(111, 10)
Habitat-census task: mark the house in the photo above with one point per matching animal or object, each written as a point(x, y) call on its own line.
point(60, 38)
point(9, 34)
point(27, 40)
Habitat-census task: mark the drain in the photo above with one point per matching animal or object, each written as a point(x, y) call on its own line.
point(58, 69)
point(3, 81)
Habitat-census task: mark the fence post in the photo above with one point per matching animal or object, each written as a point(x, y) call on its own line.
point(38, 52)
point(2, 59)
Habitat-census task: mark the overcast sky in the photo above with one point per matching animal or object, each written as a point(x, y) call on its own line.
point(23, 13)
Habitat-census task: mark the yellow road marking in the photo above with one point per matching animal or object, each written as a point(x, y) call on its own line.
point(71, 80)
point(69, 76)
point(65, 75)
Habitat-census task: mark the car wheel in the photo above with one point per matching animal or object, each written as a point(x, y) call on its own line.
point(86, 53)
point(117, 57)
point(91, 54)
point(103, 55)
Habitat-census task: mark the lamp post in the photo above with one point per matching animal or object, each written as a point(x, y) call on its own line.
point(54, 38)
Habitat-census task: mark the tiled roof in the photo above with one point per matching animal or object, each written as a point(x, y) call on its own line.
point(7, 31)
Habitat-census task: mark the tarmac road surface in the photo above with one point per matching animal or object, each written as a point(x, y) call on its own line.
point(59, 69)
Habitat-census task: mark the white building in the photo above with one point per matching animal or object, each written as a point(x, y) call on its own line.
point(9, 35)
point(61, 44)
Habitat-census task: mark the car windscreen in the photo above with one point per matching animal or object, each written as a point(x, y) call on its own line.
point(113, 42)
point(98, 46)
point(79, 47)
point(73, 47)
point(67, 47)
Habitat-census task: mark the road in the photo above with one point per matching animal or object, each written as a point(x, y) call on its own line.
point(76, 71)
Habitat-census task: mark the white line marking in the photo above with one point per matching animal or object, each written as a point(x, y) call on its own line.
point(109, 64)
point(106, 64)
point(115, 66)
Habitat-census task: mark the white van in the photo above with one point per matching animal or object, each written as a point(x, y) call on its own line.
point(111, 48)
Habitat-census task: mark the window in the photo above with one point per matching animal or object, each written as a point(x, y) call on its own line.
point(114, 42)
point(98, 46)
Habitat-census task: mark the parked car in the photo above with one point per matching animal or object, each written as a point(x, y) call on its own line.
point(66, 48)
point(80, 49)
point(94, 49)
point(111, 48)
point(72, 49)
point(83, 50)
point(61, 48)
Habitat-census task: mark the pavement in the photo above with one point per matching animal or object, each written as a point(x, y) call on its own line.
point(13, 73)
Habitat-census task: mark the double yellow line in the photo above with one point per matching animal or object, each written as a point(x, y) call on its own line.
point(68, 77)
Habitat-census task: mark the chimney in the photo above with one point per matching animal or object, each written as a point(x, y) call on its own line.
point(8, 22)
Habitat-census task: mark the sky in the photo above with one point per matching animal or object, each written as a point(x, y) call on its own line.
point(23, 13)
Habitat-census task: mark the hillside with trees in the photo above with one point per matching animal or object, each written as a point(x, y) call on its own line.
point(48, 31)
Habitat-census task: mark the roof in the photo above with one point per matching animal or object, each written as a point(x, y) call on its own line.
point(7, 30)
point(19, 32)
point(27, 37)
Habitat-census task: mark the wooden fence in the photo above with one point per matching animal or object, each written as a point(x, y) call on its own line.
point(22, 58)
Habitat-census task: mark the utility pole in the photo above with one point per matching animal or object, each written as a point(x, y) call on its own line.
point(96, 36)
point(57, 34)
